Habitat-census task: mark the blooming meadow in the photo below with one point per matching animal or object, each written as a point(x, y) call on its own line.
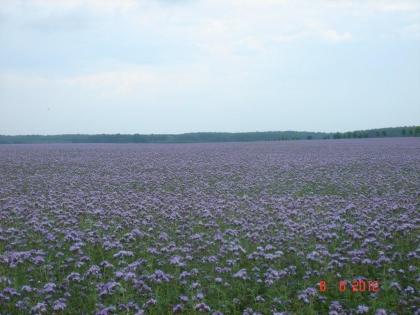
point(226, 228)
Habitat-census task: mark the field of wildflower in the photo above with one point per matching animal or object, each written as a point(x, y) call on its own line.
point(227, 228)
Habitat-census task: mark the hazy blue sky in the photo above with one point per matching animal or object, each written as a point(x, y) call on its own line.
point(171, 66)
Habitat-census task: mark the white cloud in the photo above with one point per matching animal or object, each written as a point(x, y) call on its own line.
point(411, 31)
point(252, 43)
point(216, 33)
point(287, 38)
point(93, 4)
point(132, 80)
point(115, 83)
point(336, 37)
point(392, 6)
point(258, 3)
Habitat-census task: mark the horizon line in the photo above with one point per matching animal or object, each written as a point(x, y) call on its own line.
point(200, 132)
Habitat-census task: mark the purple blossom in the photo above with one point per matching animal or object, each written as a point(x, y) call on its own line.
point(159, 276)
point(241, 274)
point(108, 288)
point(123, 253)
point(124, 218)
point(59, 305)
point(177, 261)
point(203, 308)
point(39, 308)
point(49, 287)
point(177, 309)
point(362, 309)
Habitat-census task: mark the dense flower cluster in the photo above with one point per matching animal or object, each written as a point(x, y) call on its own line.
point(228, 228)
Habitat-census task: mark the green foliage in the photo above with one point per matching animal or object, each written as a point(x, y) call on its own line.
point(210, 136)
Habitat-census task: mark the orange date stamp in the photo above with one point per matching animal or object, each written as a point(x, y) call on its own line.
point(358, 285)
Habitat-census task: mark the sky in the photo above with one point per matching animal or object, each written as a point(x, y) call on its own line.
point(174, 66)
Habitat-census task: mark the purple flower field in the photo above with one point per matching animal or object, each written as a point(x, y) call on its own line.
point(227, 228)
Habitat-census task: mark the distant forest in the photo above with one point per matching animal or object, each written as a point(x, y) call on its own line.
point(413, 131)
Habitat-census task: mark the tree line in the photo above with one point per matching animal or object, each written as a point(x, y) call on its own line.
point(412, 131)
